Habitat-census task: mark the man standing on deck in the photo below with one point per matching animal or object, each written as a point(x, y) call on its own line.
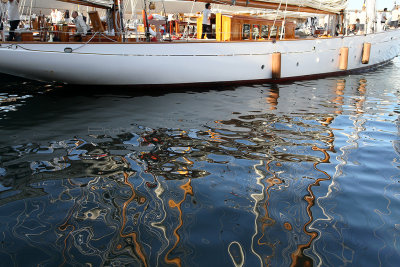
point(13, 17)
point(206, 21)
point(384, 16)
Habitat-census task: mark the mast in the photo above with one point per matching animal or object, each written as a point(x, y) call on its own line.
point(121, 18)
point(146, 22)
point(371, 16)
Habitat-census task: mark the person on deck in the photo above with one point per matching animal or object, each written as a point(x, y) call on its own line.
point(207, 21)
point(81, 27)
point(13, 17)
point(384, 16)
point(53, 16)
point(66, 16)
point(357, 27)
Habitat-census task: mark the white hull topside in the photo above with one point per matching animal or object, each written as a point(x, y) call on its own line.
point(190, 62)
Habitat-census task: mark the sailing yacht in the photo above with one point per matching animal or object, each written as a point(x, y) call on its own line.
point(257, 45)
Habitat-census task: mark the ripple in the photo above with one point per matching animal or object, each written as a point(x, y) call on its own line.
point(296, 174)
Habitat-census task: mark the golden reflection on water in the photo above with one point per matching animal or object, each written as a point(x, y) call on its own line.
point(298, 257)
point(187, 189)
point(272, 98)
point(137, 247)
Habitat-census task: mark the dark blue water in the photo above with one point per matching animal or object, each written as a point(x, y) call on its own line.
point(299, 174)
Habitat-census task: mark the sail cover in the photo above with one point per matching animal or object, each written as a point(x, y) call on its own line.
point(312, 6)
point(334, 6)
point(92, 3)
point(326, 6)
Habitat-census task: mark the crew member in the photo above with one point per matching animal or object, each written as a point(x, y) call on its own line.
point(206, 21)
point(384, 19)
point(13, 17)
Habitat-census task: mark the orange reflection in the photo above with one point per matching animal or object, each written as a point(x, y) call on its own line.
point(298, 257)
point(361, 100)
point(133, 235)
point(187, 189)
point(272, 98)
point(287, 226)
point(215, 136)
point(267, 220)
point(340, 86)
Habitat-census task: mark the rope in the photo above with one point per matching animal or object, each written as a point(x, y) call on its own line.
point(30, 14)
point(21, 7)
point(276, 16)
point(166, 21)
point(120, 9)
point(79, 47)
point(105, 36)
point(284, 22)
point(188, 23)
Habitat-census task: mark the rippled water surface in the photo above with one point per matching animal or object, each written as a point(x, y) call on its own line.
point(299, 174)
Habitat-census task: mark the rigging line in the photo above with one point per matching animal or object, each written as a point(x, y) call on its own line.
point(105, 36)
point(79, 47)
point(134, 18)
point(187, 28)
point(121, 20)
point(126, 5)
point(22, 6)
point(30, 14)
point(133, 8)
point(146, 21)
point(284, 22)
point(166, 20)
point(276, 15)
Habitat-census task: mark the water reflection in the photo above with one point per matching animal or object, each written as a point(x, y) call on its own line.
point(271, 179)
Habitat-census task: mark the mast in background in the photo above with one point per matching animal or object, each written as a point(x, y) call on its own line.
point(371, 16)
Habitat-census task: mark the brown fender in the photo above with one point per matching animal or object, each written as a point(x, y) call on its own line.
point(366, 53)
point(343, 58)
point(276, 65)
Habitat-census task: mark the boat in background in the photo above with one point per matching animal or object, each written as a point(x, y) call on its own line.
point(236, 55)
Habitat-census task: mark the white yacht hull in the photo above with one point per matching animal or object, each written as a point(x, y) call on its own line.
point(190, 62)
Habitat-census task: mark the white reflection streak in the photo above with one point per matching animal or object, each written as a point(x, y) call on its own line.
point(159, 191)
point(257, 198)
point(352, 141)
point(240, 264)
